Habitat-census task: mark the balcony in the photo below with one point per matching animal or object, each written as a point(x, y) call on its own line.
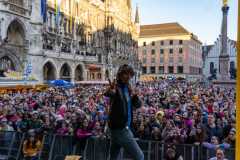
point(17, 48)
point(19, 7)
point(90, 59)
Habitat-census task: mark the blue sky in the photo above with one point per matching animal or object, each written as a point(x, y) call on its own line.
point(202, 17)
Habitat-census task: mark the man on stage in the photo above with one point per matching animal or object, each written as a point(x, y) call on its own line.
point(122, 101)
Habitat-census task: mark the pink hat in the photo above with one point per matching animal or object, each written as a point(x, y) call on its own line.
point(188, 123)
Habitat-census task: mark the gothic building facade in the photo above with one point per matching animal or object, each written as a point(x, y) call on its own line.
point(73, 40)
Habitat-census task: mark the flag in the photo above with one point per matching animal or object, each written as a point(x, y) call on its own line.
point(71, 16)
point(56, 6)
point(44, 10)
point(76, 11)
point(57, 10)
point(27, 71)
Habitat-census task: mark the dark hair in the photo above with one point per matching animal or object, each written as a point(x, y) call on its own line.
point(34, 143)
point(200, 137)
point(124, 69)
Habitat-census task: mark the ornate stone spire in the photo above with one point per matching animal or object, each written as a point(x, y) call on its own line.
point(137, 19)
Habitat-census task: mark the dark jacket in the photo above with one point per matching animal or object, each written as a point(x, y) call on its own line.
point(118, 114)
point(216, 131)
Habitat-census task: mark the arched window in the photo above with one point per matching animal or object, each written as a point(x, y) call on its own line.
point(16, 33)
point(79, 73)
point(6, 64)
point(211, 67)
point(49, 71)
point(232, 64)
point(65, 72)
point(99, 76)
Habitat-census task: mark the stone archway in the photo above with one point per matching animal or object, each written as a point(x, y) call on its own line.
point(65, 72)
point(49, 71)
point(79, 73)
point(16, 33)
point(12, 51)
point(6, 64)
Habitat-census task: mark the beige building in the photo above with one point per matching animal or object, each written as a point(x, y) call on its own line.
point(169, 50)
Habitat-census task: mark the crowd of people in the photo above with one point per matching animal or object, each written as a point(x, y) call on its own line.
point(173, 111)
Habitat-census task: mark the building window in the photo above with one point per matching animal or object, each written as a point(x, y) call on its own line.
point(153, 43)
point(161, 51)
point(180, 50)
point(161, 70)
point(153, 70)
point(153, 51)
point(65, 25)
point(144, 52)
point(69, 28)
point(153, 60)
point(161, 59)
point(180, 59)
point(144, 60)
point(211, 67)
point(232, 70)
point(170, 59)
point(99, 76)
point(170, 69)
point(171, 42)
point(180, 42)
point(232, 64)
point(99, 58)
point(144, 70)
point(144, 44)
point(115, 44)
point(171, 50)
point(92, 76)
point(162, 43)
point(180, 69)
point(200, 70)
point(50, 19)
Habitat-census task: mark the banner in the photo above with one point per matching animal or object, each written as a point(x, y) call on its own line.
point(57, 10)
point(27, 71)
point(44, 10)
point(71, 15)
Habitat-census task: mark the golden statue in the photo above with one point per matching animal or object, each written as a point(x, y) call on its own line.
point(225, 2)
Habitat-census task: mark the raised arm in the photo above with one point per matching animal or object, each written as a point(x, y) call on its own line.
point(111, 89)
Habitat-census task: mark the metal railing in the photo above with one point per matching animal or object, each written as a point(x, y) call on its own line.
point(56, 147)
point(10, 145)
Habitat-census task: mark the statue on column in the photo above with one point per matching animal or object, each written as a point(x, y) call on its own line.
point(224, 55)
point(225, 2)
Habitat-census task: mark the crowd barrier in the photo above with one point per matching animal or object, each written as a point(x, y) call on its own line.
point(56, 147)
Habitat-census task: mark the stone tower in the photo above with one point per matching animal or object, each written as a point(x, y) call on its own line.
point(137, 19)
